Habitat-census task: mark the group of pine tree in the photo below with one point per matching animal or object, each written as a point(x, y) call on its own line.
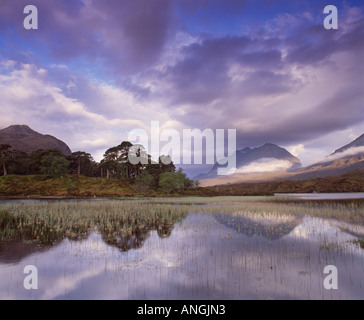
point(145, 175)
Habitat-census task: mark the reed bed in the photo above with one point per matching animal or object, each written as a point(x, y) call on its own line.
point(352, 212)
point(224, 247)
point(360, 242)
point(48, 222)
point(122, 222)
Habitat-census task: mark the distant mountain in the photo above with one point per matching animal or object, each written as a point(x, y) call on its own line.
point(267, 158)
point(345, 160)
point(348, 158)
point(359, 142)
point(23, 138)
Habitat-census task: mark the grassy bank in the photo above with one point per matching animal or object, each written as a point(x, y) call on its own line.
point(82, 187)
point(67, 186)
point(350, 182)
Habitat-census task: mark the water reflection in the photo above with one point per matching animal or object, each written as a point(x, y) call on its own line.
point(136, 239)
point(205, 257)
point(14, 252)
point(45, 224)
point(269, 227)
point(323, 196)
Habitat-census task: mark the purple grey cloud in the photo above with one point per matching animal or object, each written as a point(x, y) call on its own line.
point(124, 36)
point(123, 63)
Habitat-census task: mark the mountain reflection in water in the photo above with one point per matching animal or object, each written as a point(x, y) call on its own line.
point(120, 250)
point(272, 228)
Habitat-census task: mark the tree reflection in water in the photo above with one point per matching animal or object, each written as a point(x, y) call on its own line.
point(30, 229)
point(126, 241)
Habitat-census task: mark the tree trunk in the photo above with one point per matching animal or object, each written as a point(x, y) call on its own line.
point(107, 173)
point(4, 168)
point(79, 166)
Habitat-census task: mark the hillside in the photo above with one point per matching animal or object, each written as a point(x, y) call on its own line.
point(23, 138)
point(83, 187)
point(347, 159)
point(68, 186)
point(359, 142)
point(332, 168)
point(350, 182)
point(267, 158)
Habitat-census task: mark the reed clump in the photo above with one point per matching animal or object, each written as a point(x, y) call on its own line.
point(49, 222)
point(360, 242)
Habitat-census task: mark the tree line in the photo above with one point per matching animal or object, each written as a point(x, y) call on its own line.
point(146, 175)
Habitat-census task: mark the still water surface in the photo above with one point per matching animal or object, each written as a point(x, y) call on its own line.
point(207, 256)
point(323, 196)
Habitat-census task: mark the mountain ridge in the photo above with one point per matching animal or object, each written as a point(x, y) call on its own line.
point(347, 159)
point(23, 138)
point(359, 142)
point(248, 156)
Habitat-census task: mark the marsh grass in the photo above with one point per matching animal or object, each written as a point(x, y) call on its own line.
point(350, 211)
point(127, 223)
point(330, 246)
point(49, 222)
point(360, 242)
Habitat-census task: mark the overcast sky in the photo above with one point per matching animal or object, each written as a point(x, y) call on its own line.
point(96, 69)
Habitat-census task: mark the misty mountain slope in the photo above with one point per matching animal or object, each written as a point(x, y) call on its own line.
point(346, 159)
point(23, 138)
point(267, 158)
point(359, 142)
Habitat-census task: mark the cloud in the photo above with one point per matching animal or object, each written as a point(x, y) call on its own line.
point(266, 165)
point(296, 150)
point(96, 124)
point(7, 64)
point(265, 87)
point(92, 144)
point(131, 34)
point(214, 68)
point(335, 156)
point(28, 87)
point(96, 69)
